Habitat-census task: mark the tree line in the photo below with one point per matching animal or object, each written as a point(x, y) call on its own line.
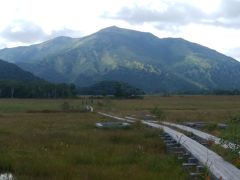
point(115, 88)
point(202, 92)
point(16, 89)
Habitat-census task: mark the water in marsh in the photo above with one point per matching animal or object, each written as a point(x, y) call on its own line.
point(6, 176)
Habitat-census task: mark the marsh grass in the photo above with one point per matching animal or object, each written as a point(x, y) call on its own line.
point(68, 146)
point(228, 155)
point(181, 108)
point(175, 108)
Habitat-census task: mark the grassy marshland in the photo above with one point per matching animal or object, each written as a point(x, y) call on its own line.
point(65, 145)
point(39, 141)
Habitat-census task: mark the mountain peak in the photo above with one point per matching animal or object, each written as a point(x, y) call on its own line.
point(119, 29)
point(128, 33)
point(111, 29)
point(138, 58)
point(60, 39)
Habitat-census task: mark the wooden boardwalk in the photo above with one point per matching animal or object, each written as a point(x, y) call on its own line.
point(220, 168)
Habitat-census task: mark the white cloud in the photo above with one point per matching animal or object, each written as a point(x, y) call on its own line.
point(2, 45)
point(214, 23)
point(234, 52)
point(178, 14)
point(23, 31)
point(218, 38)
point(27, 32)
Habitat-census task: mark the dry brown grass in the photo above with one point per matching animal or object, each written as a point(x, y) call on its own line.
point(68, 146)
point(180, 108)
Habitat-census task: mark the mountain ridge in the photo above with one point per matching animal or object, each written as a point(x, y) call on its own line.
point(17, 83)
point(138, 58)
point(11, 72)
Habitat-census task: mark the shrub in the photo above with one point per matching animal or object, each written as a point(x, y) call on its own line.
point(159, 113)
point(65, 106)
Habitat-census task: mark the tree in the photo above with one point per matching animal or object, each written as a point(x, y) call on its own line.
point(18, 89)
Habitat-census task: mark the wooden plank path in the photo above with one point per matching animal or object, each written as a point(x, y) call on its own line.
point(202, 135)
point(220, 168)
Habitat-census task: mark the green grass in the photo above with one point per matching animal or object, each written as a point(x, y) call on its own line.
point(38, 144)
point(68, 146)
point(176, 108)
point(228, 155)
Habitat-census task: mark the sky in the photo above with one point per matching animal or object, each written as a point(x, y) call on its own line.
point(212, 23)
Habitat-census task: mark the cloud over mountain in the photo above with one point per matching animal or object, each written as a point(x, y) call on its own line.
point(23, 31)
point(28, 32)
point(214, 23)
point(177, 14)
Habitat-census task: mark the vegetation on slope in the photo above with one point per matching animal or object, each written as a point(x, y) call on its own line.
point(17, 83)
point(140, 59)
point(9, 71)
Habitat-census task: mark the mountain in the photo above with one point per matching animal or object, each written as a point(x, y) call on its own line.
point(17, 83)
point(138, 58)
point(11, 72)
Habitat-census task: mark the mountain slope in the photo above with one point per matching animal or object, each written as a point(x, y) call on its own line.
point(138, 58)
point(34, 52)
point(9, 71)
point(17, 83)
